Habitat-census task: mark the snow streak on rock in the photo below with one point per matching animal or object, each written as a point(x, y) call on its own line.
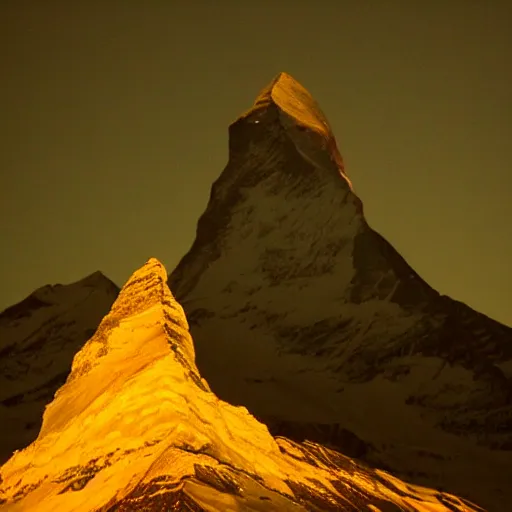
point(291, 295)
point(38, 338)
point(135, 427)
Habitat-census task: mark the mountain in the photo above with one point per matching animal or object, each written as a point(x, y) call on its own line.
point(39, 337)
point(304, 314)
point(135, 427)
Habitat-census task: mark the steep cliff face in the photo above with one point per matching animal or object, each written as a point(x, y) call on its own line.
point(135, 427)
point(308, 317)
point(39, 337)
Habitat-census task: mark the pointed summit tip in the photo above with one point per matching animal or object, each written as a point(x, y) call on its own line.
point(98, 278)
point(284, 78)
point(286, 101)
point(293, 100)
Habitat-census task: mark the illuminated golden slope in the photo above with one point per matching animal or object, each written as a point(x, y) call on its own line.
point(136, 428)
point(39, 337)
point(294, 100)
point(302, 120)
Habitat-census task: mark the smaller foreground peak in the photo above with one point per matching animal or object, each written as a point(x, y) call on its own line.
point(137, 428)
point(145, 306)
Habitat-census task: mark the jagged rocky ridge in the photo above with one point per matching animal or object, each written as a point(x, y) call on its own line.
point(39, 337)
point(313, 321)
point(135, 427)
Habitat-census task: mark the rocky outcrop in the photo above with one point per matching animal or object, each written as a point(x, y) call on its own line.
point(312, 320)
point(135, 427)
point(39, 337)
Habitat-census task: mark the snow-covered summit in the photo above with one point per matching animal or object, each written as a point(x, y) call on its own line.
point(38, 338)
point(293, 100)
point(300, 117)
point(291, 295)
point(135, 427)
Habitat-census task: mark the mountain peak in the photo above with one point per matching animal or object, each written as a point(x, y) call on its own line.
point(131, 430)
point(288, 282)
point(296, 101)
point(285, 101)
point(98, 278)
point(144, 294)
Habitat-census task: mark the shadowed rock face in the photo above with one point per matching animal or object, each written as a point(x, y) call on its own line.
point(305, 315)
point(38, 338)
point(135, 427)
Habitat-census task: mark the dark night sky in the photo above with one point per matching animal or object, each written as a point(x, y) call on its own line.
point(115, 116)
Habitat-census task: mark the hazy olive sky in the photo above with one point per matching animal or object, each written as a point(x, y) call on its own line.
point(114, 121)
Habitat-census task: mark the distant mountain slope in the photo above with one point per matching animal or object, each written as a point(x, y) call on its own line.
point(135, 427)
point(304, 314)
point(38, 338)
